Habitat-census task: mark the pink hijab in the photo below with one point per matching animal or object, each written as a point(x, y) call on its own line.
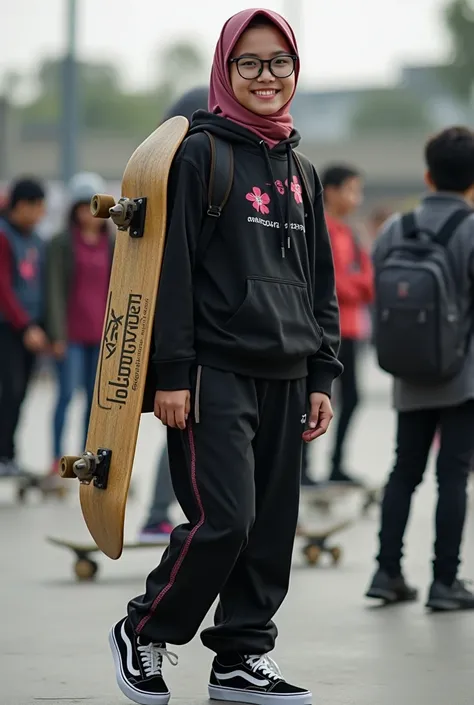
point(271, 128)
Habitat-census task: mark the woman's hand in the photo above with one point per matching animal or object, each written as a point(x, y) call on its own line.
point(320, 416)
point(172, 408)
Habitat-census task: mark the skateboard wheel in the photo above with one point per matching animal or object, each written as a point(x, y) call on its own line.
point(66, 467)
point(59, 492)
point(101, 204)
point(336, 553)
point(322, 504)
point(85, 569)
point(312, 553)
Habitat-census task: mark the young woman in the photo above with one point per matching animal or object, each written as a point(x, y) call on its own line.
point(78, 270)
point(245, 348)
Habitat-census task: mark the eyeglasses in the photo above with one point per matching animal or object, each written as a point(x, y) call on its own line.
point(250, 67)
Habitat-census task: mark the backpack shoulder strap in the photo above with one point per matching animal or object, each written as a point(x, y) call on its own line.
point(452, 224)
point(307, 175)
point(408, 225)
point(221, 178)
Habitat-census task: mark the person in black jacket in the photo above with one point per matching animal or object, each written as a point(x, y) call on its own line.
point(246, 344)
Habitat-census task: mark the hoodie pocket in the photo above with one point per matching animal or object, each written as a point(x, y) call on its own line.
point(275, 320)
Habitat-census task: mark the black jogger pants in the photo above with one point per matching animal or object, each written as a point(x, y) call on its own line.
point(236, 475)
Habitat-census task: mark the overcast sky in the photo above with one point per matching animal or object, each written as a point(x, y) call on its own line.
point(342, 42)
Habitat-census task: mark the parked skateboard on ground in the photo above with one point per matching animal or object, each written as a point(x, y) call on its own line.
point(27, 482)
point(84, 567)
point(316, 543)
point(104, 470)
point(323, 496)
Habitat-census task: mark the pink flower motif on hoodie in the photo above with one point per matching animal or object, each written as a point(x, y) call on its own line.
point(259, 200)
point(280, 187)
point(297, 190)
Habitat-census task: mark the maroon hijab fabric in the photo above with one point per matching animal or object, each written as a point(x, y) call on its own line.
point(271, 128)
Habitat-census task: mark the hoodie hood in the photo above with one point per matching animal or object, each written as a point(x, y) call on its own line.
point(232, 132)
point(240, 136)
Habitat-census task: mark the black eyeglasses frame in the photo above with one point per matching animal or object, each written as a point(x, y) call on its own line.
point(236, 59)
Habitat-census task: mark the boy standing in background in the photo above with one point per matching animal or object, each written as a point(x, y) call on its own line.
point(343, 194)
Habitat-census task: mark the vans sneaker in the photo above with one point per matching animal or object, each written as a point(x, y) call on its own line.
point(138, 665)
point(252, 679)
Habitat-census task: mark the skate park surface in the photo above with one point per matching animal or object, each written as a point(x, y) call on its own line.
point(53, 640)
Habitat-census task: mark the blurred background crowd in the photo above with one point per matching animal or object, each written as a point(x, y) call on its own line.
point(88, 83)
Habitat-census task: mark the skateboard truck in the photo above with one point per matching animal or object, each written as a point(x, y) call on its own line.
point(89, 468)
point(127, 214)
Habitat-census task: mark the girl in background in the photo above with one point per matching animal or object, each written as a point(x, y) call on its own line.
point(79, 262)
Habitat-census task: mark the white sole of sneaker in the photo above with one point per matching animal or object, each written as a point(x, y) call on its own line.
point(136, 696)
point(233, 695)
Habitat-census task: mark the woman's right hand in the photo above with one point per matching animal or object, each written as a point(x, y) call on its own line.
point(172, 408)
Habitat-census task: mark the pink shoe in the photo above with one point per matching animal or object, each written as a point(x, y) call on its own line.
point(156, 534)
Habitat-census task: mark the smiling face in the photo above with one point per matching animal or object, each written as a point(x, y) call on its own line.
point(266, 94)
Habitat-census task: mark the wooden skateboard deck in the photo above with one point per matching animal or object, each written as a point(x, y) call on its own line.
point(85, 568)
point(325, 495)
point(105, 468)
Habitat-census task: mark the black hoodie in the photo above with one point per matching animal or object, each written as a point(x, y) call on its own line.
point(262, 302)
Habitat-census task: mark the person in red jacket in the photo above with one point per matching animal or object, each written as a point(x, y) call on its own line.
point(343, 193)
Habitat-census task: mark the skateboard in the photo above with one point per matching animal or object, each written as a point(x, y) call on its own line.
point(325, 495)
point(29, 481)
point(86, 569)
point(104, 469)
point(316, 543)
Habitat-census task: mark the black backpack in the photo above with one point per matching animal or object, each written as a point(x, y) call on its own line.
point(420, 333)
point(221, 178)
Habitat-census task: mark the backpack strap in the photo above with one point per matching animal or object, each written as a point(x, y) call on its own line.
point(221, 178)
point(408, 224)
point(452, 224)
point(410, 228)
point(306, 173)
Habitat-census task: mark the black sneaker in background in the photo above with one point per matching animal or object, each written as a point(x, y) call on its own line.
point(447, 598)
point(138, 666)
point(252, 679)
point(390, 589)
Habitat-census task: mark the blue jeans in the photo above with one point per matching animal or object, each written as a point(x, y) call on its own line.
point(76, 370)
point(163, 495)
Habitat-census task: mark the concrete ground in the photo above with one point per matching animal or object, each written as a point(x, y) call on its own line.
point(53, 630)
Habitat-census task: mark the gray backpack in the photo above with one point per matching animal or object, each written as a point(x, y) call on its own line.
point(420, 334)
